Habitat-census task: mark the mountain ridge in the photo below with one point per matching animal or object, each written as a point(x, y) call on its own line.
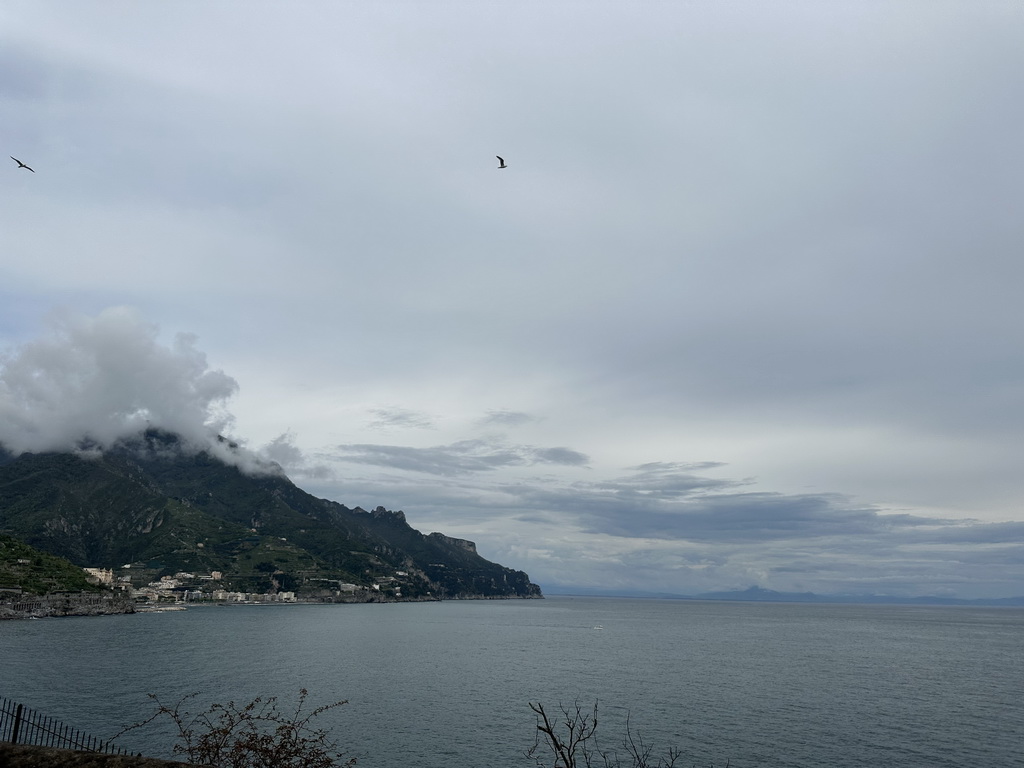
point(160, 506)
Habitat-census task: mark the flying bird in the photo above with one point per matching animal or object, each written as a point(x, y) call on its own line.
point(501, 161)
point(20, 164)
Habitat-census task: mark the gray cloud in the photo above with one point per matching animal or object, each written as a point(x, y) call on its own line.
point(564, 456)
point(462, 457)
point(703, 535)
point(399, 418)
point(506, 418)
point(283, 452)
point(685, 507)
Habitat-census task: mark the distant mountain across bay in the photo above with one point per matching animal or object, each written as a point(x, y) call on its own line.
point(760, 595)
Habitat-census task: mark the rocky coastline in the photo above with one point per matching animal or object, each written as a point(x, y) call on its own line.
point(65, 604)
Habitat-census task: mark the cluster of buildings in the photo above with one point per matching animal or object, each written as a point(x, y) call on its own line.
point(184, 587)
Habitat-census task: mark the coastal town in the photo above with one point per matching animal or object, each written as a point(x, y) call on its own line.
point(120, 595)
point(185, 587)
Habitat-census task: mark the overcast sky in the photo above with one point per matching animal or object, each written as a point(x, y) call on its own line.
point(745, 308)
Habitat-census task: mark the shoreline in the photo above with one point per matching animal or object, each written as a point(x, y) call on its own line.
point(63, 606)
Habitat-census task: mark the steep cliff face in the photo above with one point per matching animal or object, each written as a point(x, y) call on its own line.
point(469, 546)
point(164, 509)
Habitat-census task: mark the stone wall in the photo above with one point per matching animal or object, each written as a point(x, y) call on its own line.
point(65, 604)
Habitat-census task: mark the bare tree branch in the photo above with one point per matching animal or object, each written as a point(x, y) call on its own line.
point(570, 741)
point(256, 735)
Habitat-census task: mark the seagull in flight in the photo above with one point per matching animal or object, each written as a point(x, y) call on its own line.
point(20, 164)
point(502, 162)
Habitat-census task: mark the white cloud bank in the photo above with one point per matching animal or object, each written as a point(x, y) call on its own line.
point(95, 380)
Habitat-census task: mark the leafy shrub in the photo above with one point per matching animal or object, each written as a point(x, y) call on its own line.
point(256, 735)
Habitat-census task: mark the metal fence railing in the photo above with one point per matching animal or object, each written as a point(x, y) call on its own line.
point(22, 725)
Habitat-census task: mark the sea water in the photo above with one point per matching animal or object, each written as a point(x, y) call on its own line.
point(448, 685)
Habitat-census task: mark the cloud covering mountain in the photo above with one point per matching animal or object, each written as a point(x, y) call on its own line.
point(94, 380)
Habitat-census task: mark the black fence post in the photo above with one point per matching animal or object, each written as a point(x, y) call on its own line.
point(17, 725)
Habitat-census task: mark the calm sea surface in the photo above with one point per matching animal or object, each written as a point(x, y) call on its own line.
point(446, 685)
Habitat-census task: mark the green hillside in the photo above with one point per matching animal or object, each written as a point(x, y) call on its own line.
point(164, 510)
point(37, 572)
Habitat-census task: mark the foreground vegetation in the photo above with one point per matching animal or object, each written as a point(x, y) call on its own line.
point(568, 739)
point(260, 735)
point(254, 735)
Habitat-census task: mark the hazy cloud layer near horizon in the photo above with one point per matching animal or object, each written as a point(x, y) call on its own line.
point(743, 309)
